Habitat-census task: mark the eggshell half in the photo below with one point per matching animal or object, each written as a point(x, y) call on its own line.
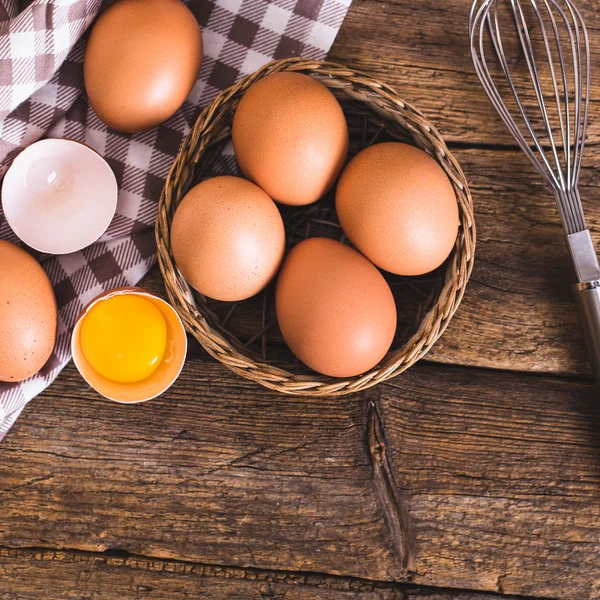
point(335, 310)
point(164, 376)
point(59, 196)
point(141, 62)
point(398, 207)
point(290, 137)
point(28, 314)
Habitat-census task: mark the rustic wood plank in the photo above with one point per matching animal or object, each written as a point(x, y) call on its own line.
point(35, 574)
point(501, 475)
point(518, 311)
point(422, 49)
point(217, 470)
point(32, 574)
point(497, 475)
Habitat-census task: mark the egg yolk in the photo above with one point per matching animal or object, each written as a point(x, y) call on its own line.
point(124, 337)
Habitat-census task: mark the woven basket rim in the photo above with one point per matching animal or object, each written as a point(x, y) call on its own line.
point(383, 100)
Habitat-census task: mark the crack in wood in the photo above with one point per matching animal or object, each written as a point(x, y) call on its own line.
point(117, 558)
point(388, 492)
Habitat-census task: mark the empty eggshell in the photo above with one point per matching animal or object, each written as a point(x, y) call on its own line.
point(59, 196)
point(162, 378)
point(290, 137)
point(335, 310)
point(142, 61)
point(28, 314)
point(227, 238)
point(398, 207)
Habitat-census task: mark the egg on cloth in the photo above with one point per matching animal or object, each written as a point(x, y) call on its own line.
point(290, 137)
point(59, 196)
point(28, 314)
point(141, 62)
point(398, 207)
point(129, 345)
point(227, 238)
point(335, 310)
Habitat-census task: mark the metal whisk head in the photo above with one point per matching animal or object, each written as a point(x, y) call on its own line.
point(538, 80)
point(541, 91)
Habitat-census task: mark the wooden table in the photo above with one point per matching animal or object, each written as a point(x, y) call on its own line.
point(478, 470)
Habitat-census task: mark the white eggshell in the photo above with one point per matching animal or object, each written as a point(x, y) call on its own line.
point(59, 196)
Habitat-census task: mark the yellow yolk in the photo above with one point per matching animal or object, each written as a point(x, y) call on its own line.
point(124, 337)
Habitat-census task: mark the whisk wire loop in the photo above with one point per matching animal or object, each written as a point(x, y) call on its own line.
point(526, 43)
point(553, 136)
point(582, 98)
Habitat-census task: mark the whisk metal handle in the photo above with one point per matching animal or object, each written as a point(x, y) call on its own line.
point(583, 256)
point(587, 293)
point(587, 298)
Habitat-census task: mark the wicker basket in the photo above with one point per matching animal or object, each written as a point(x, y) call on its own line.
point(374, 111)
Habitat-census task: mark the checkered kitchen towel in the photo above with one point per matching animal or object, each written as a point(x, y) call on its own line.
point(41, 95)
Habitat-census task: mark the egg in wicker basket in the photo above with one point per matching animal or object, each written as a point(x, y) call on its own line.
point(244, 336)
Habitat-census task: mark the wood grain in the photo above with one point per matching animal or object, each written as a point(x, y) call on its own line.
point(422, 49)
point(498, 476)
point(217, 470)
point(518, 311)
point(32, 574)
point(502, 479)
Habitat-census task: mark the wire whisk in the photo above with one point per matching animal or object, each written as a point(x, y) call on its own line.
point(533, 60)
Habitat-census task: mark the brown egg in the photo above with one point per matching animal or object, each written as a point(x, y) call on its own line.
point(398, 207)
point(335, 310)
point(141, 62)
point(28, 315)
point(227, 238)
point(290, 137)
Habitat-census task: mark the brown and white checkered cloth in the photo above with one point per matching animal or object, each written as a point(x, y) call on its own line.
point(41, 95)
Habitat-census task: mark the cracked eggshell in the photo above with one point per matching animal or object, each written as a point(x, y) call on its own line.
point(164, 376)
point(59, 196)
